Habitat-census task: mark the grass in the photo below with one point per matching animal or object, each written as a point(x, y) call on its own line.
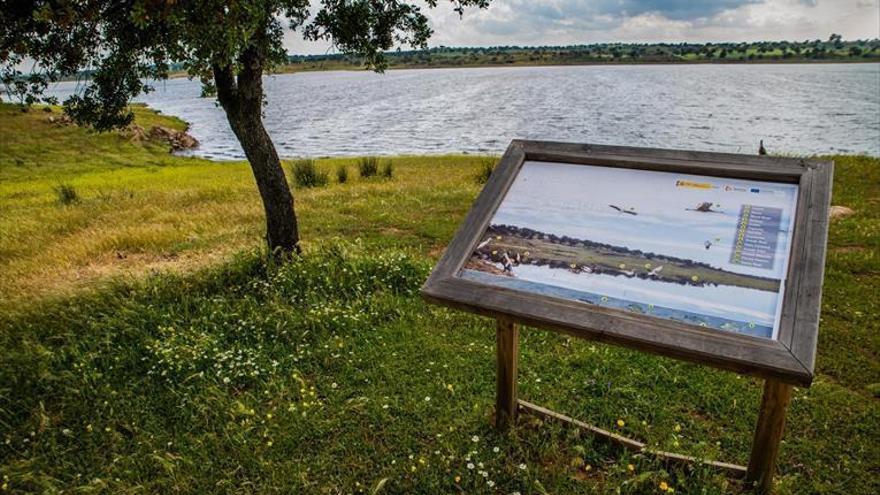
point(487, 166)
point(368, 166)
point(341, 174)
point(66, 194)
point(306, 174)
point(387, 170)
point(140, 353)
point(142, 209)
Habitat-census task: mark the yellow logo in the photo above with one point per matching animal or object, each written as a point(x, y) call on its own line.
point(693, 185)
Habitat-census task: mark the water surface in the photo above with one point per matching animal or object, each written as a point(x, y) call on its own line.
point(795, 108)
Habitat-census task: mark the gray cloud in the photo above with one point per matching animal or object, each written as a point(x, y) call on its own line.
point(595, 15)
point(559, 22)
point(671, 9)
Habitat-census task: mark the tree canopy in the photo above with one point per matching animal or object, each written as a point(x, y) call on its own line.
point(124, 44)
point(228, 45)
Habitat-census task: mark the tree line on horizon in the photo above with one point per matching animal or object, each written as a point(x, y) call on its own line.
point(834, 49)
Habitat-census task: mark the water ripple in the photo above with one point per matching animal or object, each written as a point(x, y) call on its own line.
point(794, 108)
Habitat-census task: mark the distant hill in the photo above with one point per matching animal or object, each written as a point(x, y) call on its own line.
point(832, 50)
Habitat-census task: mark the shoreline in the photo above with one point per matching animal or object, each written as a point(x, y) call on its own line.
point(191, 153)
point(530, 247)
point(180, 74)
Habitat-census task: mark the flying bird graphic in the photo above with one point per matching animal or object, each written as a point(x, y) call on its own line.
point(630, 211)
point(704, 207)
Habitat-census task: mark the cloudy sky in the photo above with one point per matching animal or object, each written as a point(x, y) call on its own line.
point(563, 22)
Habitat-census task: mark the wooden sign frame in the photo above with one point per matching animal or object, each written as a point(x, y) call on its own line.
point(785, 361)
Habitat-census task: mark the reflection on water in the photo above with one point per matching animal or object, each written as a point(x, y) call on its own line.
point(664, 302)
point(722, 300)
point(794, 108)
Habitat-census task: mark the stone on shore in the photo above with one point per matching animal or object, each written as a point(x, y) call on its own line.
point(179, 140)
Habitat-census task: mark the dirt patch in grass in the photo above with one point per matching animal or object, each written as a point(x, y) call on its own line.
point(848, 249)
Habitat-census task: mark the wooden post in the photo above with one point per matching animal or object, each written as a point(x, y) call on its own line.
point(768, 434)
point(507, 355)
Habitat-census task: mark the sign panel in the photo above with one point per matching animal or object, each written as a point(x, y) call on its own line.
point(709, 257)
point(697, 249)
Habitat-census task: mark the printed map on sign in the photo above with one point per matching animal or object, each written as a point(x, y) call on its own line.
point(707, 251)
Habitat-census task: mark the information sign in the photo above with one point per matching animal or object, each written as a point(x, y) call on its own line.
point(707, 251)
point(708, 257)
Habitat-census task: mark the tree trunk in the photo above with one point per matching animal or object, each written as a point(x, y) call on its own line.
point(242, 99)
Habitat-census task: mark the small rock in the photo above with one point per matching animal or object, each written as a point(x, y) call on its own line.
point(185, 141)
point(178, 140)
point(161, 133)
point(62, 119)
point(838, 212)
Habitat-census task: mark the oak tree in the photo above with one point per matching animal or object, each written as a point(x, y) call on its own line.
point(228, 45)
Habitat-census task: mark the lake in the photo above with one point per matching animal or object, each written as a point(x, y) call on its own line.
point(798, 109)
point(671, 302)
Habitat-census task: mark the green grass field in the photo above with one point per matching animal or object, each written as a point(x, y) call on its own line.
point(147, 346)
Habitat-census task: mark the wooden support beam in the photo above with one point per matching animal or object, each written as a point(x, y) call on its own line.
point(732, 470)
point(507, 354)
point(768, 435)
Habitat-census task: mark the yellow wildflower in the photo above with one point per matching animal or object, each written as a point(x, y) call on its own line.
point(664, 486)
point(621, 423)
